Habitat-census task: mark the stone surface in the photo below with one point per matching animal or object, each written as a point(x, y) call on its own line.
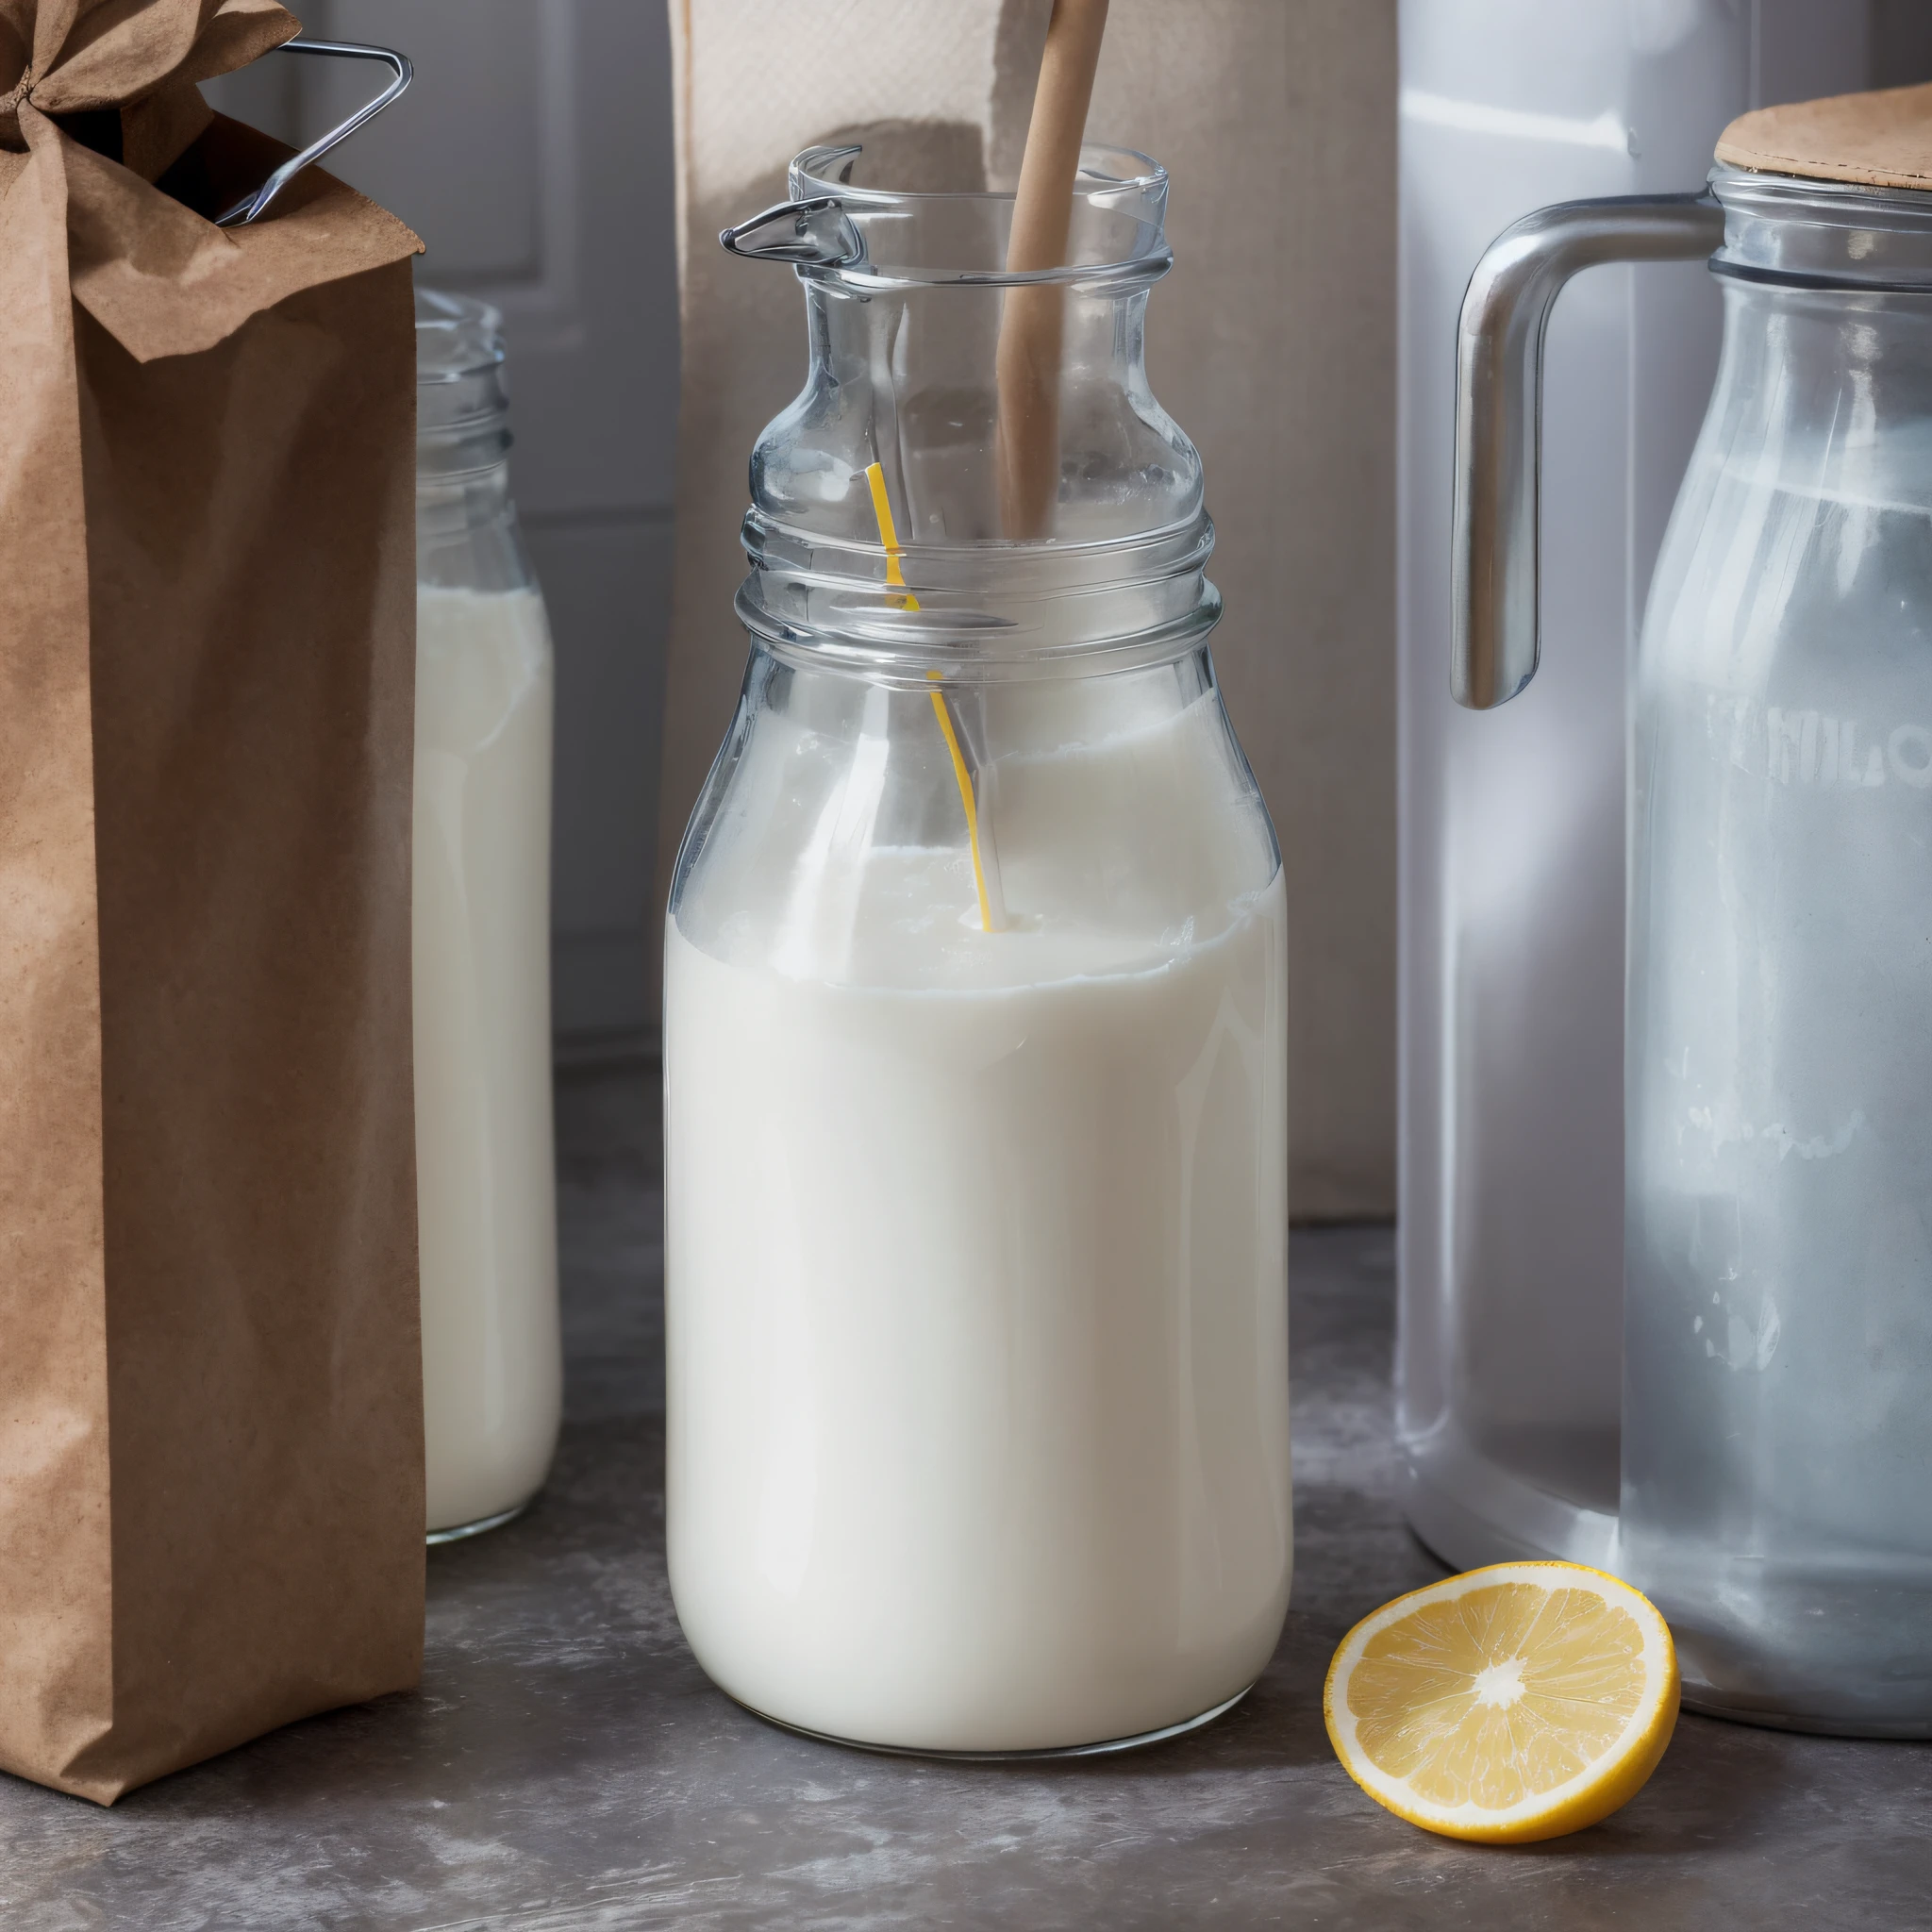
point(566, 1768)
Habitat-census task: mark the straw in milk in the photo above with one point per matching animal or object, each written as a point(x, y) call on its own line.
point(1028, 361)
point(985, 874)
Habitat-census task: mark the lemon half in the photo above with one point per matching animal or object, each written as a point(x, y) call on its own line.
point(1519, 1702)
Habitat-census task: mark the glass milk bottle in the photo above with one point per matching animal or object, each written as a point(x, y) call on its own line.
point(975, 1017)
point(493, 1373)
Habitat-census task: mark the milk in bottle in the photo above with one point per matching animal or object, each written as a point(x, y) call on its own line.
point(982, 1437)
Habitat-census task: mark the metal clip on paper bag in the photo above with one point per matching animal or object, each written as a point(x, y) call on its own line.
point(210, 1430)
point(251, 208)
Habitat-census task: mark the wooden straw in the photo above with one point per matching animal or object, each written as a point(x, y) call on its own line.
point(1029, 348)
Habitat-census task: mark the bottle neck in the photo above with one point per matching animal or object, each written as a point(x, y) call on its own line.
point(979, 613)
point(902, 406)
point(466, 525)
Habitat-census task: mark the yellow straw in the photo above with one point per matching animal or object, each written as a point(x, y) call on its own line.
point(888, 536)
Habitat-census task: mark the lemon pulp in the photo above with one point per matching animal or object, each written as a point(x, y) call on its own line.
point(1512, 1703)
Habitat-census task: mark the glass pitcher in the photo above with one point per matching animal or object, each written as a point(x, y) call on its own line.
point(1777, 1333)
point(973, 1037)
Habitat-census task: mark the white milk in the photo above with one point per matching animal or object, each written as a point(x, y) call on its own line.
point(977, 1328)
point(491, 1357)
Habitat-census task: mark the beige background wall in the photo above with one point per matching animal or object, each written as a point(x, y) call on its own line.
point(1273, 344)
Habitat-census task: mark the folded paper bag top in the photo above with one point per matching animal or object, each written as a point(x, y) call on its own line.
point(210, 1426)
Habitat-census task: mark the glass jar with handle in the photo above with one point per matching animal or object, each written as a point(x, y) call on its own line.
point(1777, 1336)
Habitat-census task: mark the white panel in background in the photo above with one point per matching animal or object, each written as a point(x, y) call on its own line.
point(609, 588)
point(1901, 43)
point(1804, 49)
point(534, 157)
point(458, 156)
point(266, 94)
point(533, 154)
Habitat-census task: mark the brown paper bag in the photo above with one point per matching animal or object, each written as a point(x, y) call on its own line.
point(210, 1429)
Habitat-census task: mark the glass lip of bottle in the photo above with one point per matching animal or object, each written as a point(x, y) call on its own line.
point(1114, 184)
point(1795, 231)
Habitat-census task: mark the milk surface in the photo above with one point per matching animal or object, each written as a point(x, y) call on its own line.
point(486, 1189)
point(976, 1321)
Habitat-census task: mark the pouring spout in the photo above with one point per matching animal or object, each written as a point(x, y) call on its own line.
point(817, 232)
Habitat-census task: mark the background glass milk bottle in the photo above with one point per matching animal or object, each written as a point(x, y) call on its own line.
point(975, 1040)
point(492, 1372)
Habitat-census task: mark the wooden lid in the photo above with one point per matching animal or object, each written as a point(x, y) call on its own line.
point(1881, 139)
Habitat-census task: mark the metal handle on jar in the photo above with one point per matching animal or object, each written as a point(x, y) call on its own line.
point(1499, 383)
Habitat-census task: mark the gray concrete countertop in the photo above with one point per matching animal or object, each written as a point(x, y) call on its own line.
point(566, 1767)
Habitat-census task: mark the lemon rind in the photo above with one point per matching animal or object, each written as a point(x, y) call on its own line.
point(1574, 1803)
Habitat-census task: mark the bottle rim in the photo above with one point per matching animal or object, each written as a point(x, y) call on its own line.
point(1119, 193)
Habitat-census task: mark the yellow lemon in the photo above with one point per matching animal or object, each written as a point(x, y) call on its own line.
point(1514, 1702)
